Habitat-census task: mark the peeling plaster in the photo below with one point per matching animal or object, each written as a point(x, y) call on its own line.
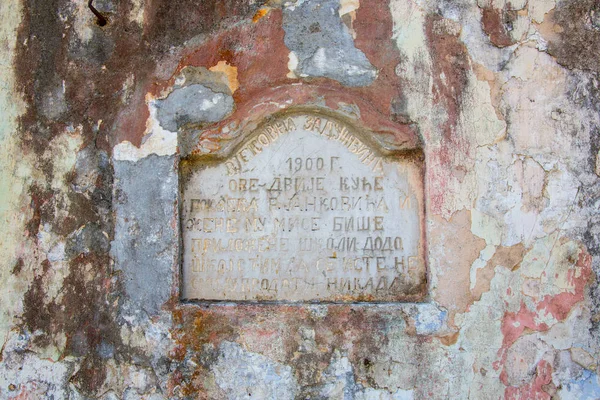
point(157, 141)
point(504, 96)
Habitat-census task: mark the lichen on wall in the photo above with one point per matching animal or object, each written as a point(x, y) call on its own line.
point(503, 98)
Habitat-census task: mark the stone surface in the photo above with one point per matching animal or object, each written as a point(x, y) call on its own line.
point(501, 97)
point(322, 46)
point(304, 210)
point(145, 245)
point(208, 106)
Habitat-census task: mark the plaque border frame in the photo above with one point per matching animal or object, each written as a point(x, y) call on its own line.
point(190, 157)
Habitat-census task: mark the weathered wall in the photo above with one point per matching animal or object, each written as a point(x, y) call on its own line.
point(505, 96)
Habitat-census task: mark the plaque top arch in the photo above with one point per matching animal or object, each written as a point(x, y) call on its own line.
point(222, 141)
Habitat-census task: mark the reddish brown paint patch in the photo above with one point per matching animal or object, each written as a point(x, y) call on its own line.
point(535, 388)
point(579, 276)
point(495, 24)
point(374, 28)
point(131, 123)
point(256, 50)
point(514, 325)
point(451, 68)
point(450, 72)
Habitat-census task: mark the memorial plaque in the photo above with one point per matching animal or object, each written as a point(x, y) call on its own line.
point(304, 210)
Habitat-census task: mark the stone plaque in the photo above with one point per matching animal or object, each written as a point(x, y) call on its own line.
point(304, 210)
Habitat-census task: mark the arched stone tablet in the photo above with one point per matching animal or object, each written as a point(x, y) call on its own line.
point(305, 209)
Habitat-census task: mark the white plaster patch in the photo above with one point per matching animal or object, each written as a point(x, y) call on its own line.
point(583, 358)
point(292, 65)
point(408, 31)
point(414, 69)
point(245, 375)
point(348, 6)
point(539, 8)
point(31, 375)
point(486, 227)
point(478, 115)
point(552, 261)
point(574, 331)
point(484, 256)
point(379, 394)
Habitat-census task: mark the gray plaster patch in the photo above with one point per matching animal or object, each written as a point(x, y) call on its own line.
point(245, 375)
point(193, 104)
point(145, 246)
point(323, 45)
point(339, 383)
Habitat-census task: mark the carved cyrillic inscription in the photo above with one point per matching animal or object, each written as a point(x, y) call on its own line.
point(304, 210)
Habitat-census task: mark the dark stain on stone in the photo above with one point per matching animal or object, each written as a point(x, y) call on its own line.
point(174, 22)
point(43, 210)
point(578, 43)
point(46, 266)
point(18, 267)
point(90, 238)
point(90, 376)
point(36, 315)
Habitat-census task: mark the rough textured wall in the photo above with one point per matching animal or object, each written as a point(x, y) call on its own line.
point(505, 96)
